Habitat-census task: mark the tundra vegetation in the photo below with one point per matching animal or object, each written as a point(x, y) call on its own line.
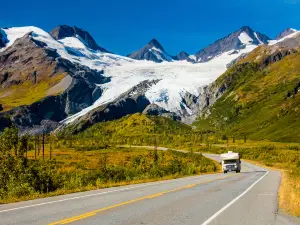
point(45, 165)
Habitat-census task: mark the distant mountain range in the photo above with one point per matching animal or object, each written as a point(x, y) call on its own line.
point(234, 42)
point(62, 78)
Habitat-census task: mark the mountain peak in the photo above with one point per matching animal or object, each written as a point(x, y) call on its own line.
point(183, 53)
point(153, 51)
point(246, 29)
point(285, 33)
point(156, 44)
point(63, 31)
point(237, 40)
point(183, 56)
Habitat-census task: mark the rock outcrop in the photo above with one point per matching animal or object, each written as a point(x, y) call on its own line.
point(155, 110)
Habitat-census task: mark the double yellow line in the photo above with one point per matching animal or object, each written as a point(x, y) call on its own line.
point(93, 213)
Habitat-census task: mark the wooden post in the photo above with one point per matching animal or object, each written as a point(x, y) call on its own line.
point(43, 143)
point(39, 149)
point(34, 147)
point(50, 146)
point(27, 147)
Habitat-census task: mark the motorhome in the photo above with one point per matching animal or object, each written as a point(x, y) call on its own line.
point(231, 162)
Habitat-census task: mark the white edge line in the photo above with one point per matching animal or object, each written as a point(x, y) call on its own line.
point(233, 201)
point(107, 192)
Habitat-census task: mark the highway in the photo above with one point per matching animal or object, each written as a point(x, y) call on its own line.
point(249, 197)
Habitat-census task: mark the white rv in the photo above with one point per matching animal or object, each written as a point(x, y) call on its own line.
point(231, 162)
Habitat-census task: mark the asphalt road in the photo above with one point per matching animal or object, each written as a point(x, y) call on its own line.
point(249, 197)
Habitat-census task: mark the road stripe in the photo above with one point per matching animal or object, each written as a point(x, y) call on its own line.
point(106, 192)
point(93, 213)
point(233, 201)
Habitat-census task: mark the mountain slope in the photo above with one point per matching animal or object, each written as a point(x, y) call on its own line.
point(38, 88)
point(153, 51)
point(234, 42)
point(27, 72)
point(260, 95)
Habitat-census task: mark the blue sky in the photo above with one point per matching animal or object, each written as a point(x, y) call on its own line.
point(123, 26)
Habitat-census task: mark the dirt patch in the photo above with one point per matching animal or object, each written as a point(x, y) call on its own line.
point(61, 86)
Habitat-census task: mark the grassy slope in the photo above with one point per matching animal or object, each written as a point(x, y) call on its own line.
point(139, 124)
point(27, 93)
point(135, 125)
point(257, 103)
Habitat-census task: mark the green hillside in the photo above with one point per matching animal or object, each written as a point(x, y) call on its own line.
point(261, 102)
point(138, 129)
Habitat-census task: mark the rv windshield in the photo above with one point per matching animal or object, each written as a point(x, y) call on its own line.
point(230, 161)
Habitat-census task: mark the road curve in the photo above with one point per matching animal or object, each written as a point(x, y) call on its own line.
point(249, 197)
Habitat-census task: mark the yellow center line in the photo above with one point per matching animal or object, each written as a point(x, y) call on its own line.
point(93, 213)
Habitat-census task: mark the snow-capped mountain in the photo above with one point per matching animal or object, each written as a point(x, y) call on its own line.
point(234, 42)
point(116, 85)
point(65, 31)
point(183, 56)
point(153, 51)
point(285, 33)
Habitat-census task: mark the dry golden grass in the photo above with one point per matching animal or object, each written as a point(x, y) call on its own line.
point(71, 159)
point(289, 194)
point(27, 93)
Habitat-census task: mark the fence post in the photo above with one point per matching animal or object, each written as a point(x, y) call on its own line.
point(34, 147)
point(50, 146)
point(43, 142)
